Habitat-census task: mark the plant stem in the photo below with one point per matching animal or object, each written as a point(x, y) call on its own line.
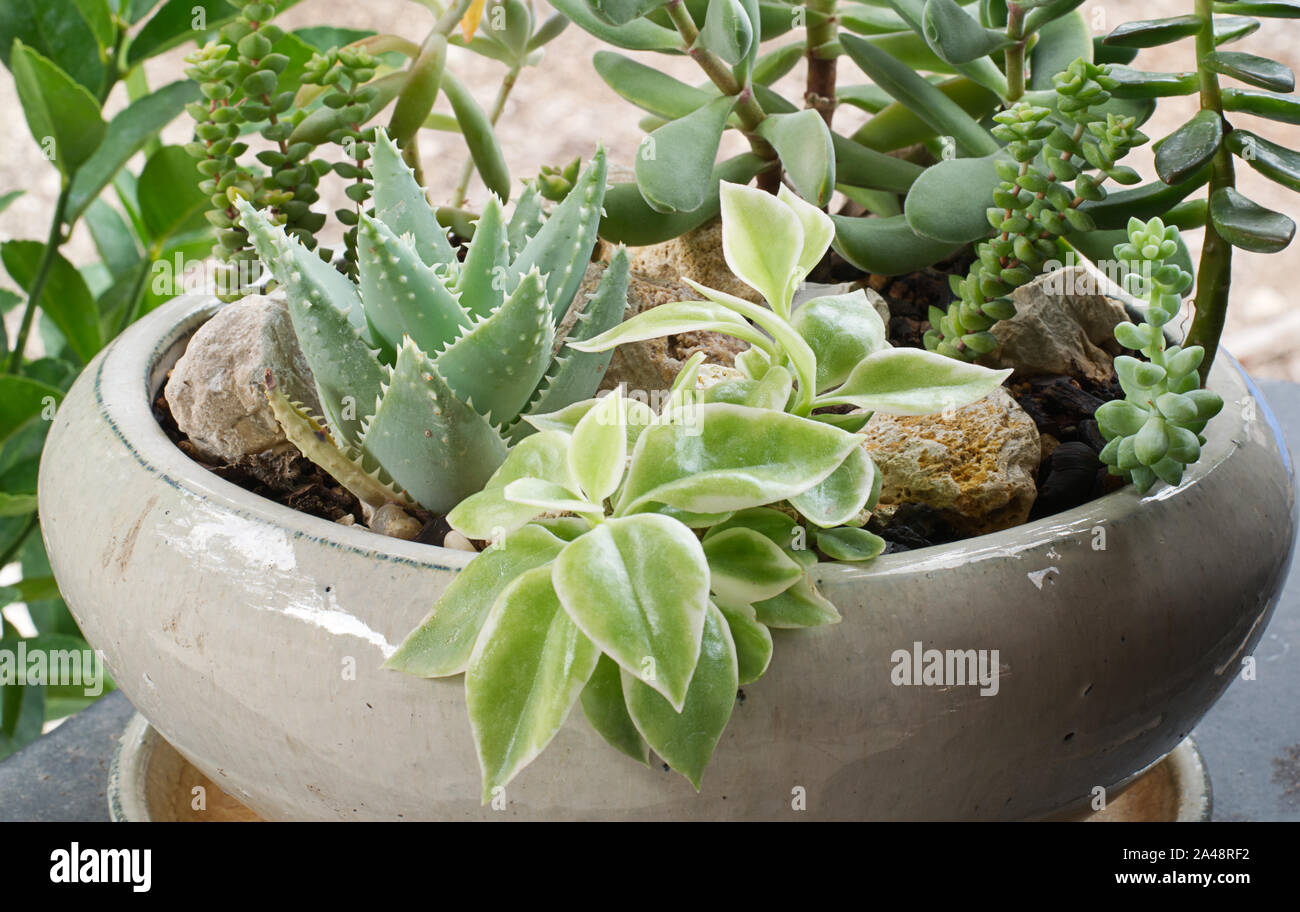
point(1214, 273)
point(498, 106)
point(1015, 55)
point(819, 88)
point(52, 245)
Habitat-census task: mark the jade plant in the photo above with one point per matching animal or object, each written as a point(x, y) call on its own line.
point(1154, 432)
point(638, 559)
point(425, 365)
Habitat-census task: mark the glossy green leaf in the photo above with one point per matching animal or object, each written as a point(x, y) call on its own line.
point(442, 643)
point(1186, 150)
point(731, 457)
point(850, 544)
point(674, 164)
point(745, 566)
point(927, 102)
point(480, 137)
point(60, 31)
point(1233, 28)
point(887, 246)
point(1275, 162)
point(529, 666)
point(1246, 224)
point(1142, 84)
point(727, 31)
point(949, 202)
point(841, 330)
point(639, 587)
point(753, 642)
point(487, 514)
point(841, 496)
point(1147, 33)
point(799, 606)
point(598, 453)
point(803, 142)
point(956, 36)
point(1252, 69)
point(67, 300)
point(606, 709)
point(1282, 108)
point(685, 735)
point(170, 200)
point(174, 24)
point(911, 381)
point(1144, 202)
point(762, 242)
point(23, 400)
point(63, 117)
point(1273, 9)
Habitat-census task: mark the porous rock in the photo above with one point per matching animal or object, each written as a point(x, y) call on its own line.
point(976, 465)
point(695, 255)
point(217, 390)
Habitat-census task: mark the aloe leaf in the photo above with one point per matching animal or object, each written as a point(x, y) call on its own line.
point(348, 376)
point(525, 220)
point(400, 203)
point(887, 246)
point(745, 566)
point(1252, 69)
point(481, 281)
point(488, 514)
point(1060, 43)
point(842, 495)
point(612, 583)
point(950, 201)
point(730, 457)
point(1282, 108)
point(635, 35)
point(457, 449)
point(841, 330)
point(1147, 33)
point(910, 381)
point(598, 454)
point(685, 735)
point(403, 296)
point(442, 643)
point(528, 667)
point(955, 36)
point(1275, 162)
point(648, 88)
point(630, 220)
point(1190, 147)
point(575, 375)
point(606, 709)
point(479, 137)
point(803, 142)
point(850, 545)
point(674, 164)
point(931, 105)
point(1246, 224)
point(753, 642)
point(497, 363)
point(799, 606)
point(562, 247)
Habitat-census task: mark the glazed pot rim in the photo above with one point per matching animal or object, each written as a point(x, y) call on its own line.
point(128, 372)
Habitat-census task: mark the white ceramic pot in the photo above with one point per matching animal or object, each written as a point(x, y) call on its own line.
point(251, 636)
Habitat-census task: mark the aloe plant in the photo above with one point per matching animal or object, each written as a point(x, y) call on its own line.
point(638, 560)
point(426, 364)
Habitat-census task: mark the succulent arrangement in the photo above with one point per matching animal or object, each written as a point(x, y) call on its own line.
point(571, 602)
point(426, 365)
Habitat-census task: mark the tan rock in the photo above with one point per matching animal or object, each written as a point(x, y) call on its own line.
point(1064, 324)
point(391, 520)
point(975, 464)
point(217, 390)
point(696, 255)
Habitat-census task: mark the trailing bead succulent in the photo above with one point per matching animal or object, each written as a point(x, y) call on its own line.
point(425, 364)
point(640, 558)
point(1154, 433)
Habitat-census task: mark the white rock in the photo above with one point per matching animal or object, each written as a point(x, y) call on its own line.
point(217, 390)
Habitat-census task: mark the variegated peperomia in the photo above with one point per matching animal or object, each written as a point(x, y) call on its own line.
point(425, 364)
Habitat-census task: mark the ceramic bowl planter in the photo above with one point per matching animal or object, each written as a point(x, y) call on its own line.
point(251, 636)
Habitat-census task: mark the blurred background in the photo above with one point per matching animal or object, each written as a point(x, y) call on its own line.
point(562, 109)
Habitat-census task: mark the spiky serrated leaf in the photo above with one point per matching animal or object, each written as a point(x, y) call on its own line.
point(400, 203)
point(525, 220)
point(482, 278)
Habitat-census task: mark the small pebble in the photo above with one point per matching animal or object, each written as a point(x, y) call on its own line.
point(457, 542)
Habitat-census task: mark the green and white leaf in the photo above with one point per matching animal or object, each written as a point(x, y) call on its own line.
point(746, 566)
point(842, 495)
point(488, 514)
point(841, 330)
point(606, 709)
point(909, 381)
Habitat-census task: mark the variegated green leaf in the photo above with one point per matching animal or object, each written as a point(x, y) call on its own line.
point(684, 736)
point(598, 453)
point(909, 381)
point(753, 642)
point(638, 587)
point(762, 242)
point(841, 330)
point(746, 566)
point(671, 319)
point(850, 544)
point(488, 514)
point(605, 708)
point(528, 667)
point(548, 496)
point(842, 495)
point(442, 643)
point(799, 606)
point(818, 230)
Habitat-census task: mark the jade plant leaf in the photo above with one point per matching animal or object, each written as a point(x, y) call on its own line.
point(630, 220)
point(1252, 69)
point(674, 164)
point(753, 642)
point(730, 457)
point(843, 494)
point(761, 243)
point(956, 36)
point(949, 202)
point(684, 735)
point(635, 35)
point(803, 141)
point(746, 566)
point(648, 88)
point(621, 12)
point(841, 330)
point(488, 514)
point(1275, 162)
point(528, 667)
point(909, 381)
point(598, 454)
point(1147, 33)
point(1186, 150)
point(799, 606)
point(606, 709)
point(727, 31)
point(1282, 108)
point(638, 587)
point(1246, 224)
point(442, 643)
point(887, 246)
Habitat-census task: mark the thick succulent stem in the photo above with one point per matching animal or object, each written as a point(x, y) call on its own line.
point(1214, 273)
point(1015, 55)
point(52, 245)
point(498, 107)
point(819, 87)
